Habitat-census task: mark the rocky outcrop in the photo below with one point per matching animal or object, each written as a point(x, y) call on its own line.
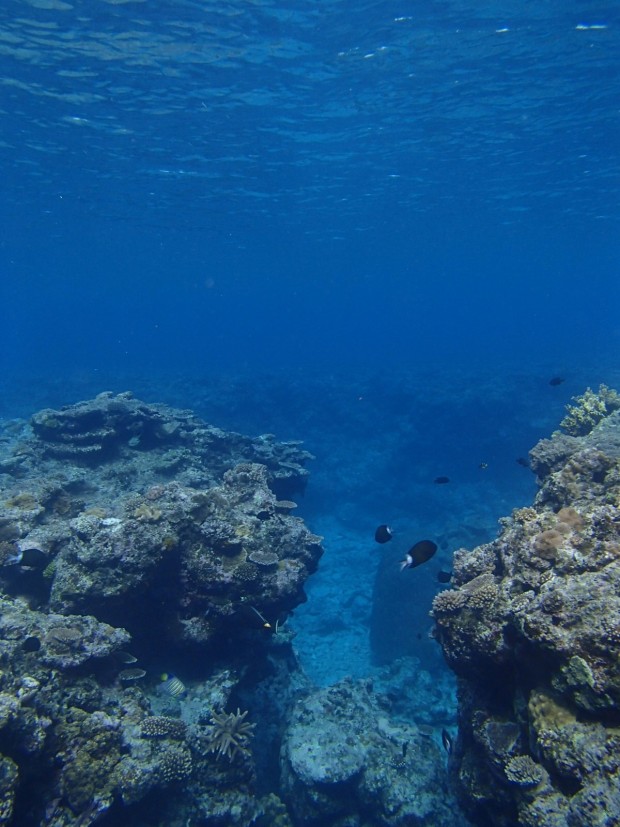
point(175, 529)
point(532, 630)
point(132, 535)
point(146, 442)
point(345, 761)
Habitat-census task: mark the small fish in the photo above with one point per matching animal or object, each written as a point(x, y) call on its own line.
point(444, 576)
point(446, 740)
point(131, 674)
point(125, 657)
point(524, 461)
point(441, 480)
point(262, 618)
point(31, 644)
point(418, 554)
point(556, 380)
point(483, 466)
point(171, 685)
point(383, 534)
point(33, 558)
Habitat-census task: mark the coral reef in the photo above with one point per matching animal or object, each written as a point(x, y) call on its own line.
point(589, 409)
point(532, 631)
point(127, 526)
point(121, 428)
point(229, 735)
point(344, 761)
point(211, 540)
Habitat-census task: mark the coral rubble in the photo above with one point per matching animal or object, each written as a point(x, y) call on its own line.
point(532, 630)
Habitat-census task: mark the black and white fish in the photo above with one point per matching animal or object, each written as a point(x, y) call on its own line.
point(418, 554)
point(33, 558)
point(383, 534)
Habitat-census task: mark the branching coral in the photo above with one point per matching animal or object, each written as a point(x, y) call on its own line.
point(589, 409)
point(229, 734)
point(175, 765)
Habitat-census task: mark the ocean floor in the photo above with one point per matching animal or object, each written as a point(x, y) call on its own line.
point(332, 629)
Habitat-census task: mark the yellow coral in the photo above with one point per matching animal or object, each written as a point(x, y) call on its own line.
point(146, 513)
point(589, 410)
point(546, 714)
point(24, 501)
point(569, 517)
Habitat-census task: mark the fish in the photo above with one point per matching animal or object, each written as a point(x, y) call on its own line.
point(383, 534)
point(125, 657)
point(171, 685)
point(556, 380)
point(133, 674)
point(444, 576)
point(483, 466)
point(418, 554)
point(446, 740)
point(31, 644)
point(441, 480)
point(250, 616)
point(523, 461)
point(33, 558)
point(265, 623)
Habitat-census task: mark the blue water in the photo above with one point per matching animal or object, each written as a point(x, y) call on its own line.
point(377, 227)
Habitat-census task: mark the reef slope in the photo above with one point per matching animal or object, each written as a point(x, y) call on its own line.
point(132, 535)
point(532, 630)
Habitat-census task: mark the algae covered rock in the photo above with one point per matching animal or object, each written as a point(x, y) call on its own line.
point(132, 535)
point(124, 435)
point(150, 519)
point(343, 759)
point(532, 629)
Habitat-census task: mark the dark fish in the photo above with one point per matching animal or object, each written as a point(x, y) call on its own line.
point(444, 576)
point(418, 554)
point(383, 534)
point(556, 380)
point(32, 557)
point(446, 740)
point(523, 461)
point(441, 480)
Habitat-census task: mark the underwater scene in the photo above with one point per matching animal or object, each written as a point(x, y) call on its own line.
point(309, 413)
